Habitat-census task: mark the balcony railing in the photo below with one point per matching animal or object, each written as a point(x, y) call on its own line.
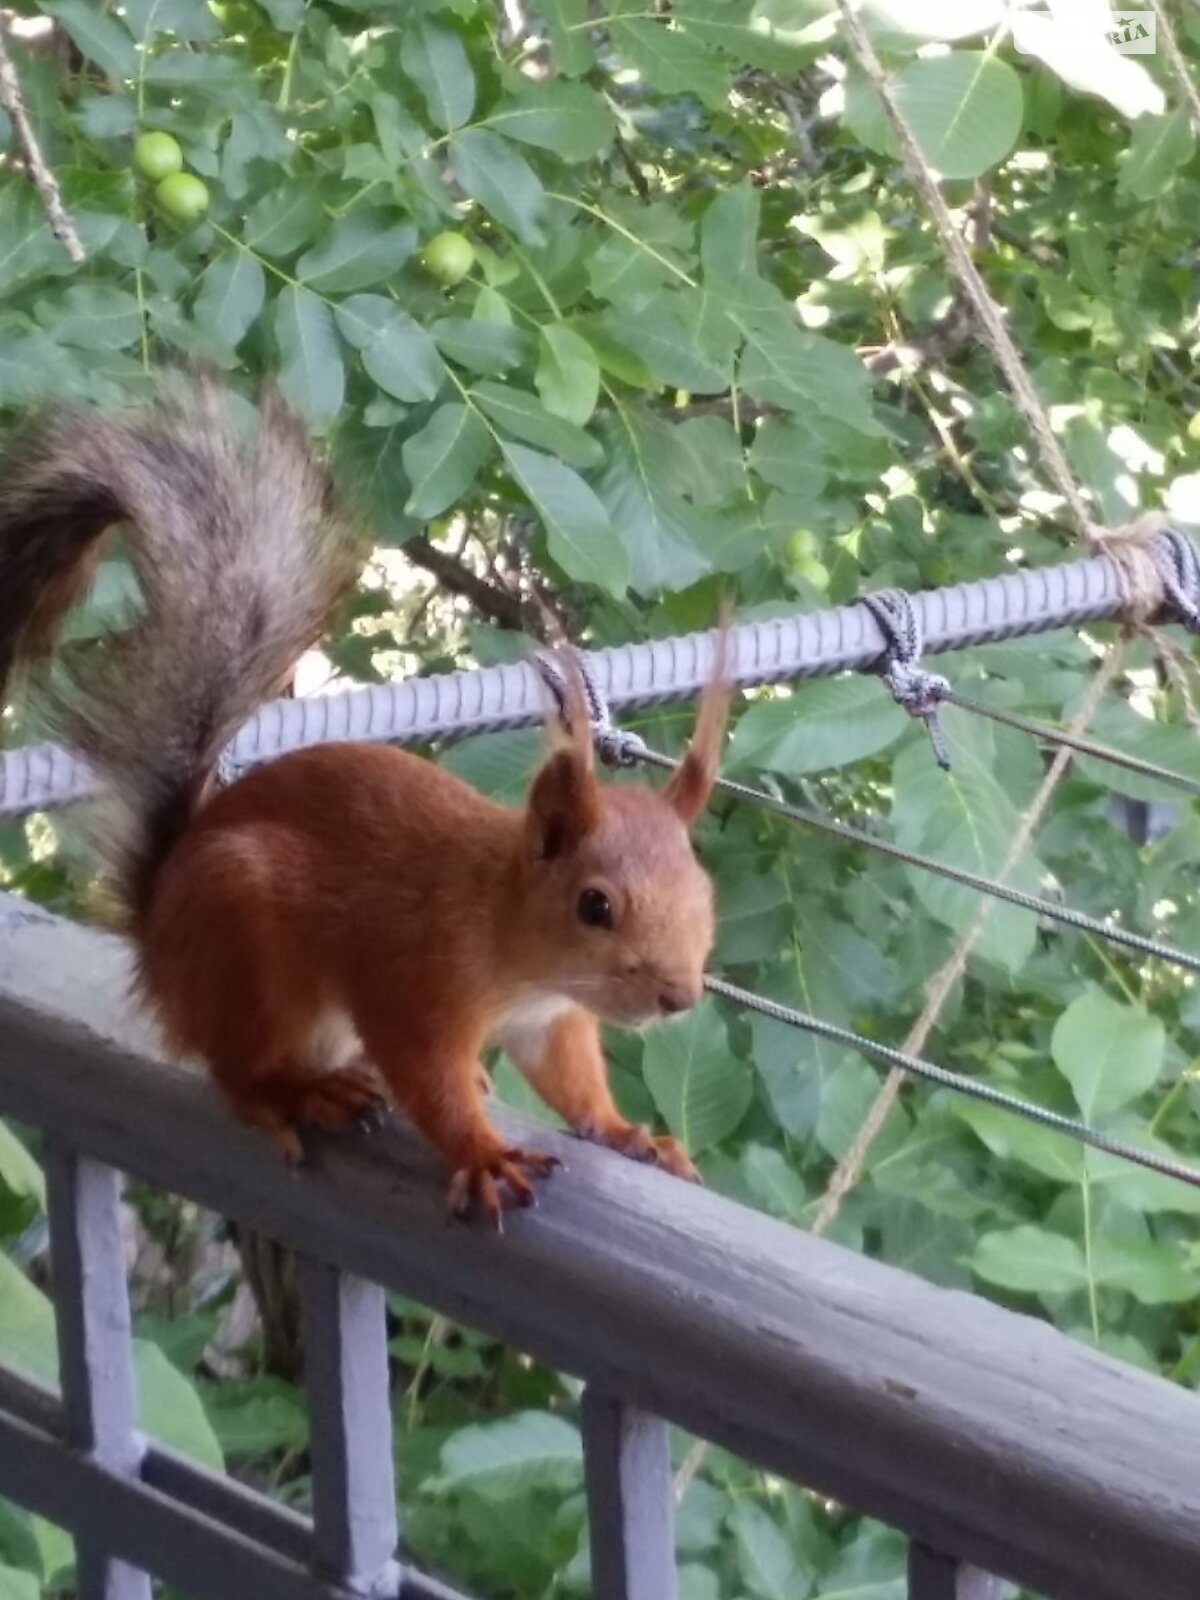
point(997, 1445)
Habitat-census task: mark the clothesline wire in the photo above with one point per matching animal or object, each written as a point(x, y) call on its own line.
point(1067, 915)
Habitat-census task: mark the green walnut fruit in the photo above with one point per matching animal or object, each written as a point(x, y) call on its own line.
point(157, 156)
point(449, 257)
point(182, 196)
point(801, 546)
point(810, 569)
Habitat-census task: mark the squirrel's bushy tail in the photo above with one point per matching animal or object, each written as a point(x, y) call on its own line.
point(241, 555)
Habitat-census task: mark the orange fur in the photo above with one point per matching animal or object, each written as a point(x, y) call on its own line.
point(348, 913)
point(368, 882)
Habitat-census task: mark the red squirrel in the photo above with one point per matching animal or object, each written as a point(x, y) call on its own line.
point(346, 914)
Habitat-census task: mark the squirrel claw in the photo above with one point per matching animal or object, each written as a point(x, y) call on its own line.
point(654, 1149)
point(481, 1185)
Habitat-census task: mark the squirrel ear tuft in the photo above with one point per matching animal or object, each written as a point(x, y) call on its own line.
point(691, 783)
point(564, 800)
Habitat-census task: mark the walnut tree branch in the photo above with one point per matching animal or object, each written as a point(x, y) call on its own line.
point(46, 184)
point(455, 576)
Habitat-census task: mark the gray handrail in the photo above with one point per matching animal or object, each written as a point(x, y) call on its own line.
point(801, 645)
point(975, 1430)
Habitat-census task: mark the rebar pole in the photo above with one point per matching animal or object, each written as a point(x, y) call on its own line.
point(491, 699)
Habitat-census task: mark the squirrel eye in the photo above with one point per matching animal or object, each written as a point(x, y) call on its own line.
point(595, 909)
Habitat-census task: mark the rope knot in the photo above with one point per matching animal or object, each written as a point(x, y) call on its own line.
point(919, 691)
point(1158, 568)
point(615, 746)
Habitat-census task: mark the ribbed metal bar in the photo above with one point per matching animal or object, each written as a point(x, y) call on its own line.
point(809, 644)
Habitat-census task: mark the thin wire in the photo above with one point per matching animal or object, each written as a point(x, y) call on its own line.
point(920, 1068)
point(1085, 746)
point(970, 880)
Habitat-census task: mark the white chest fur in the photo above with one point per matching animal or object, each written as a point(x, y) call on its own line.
point(521, 1032)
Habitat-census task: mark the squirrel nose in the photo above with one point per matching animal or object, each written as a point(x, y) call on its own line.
point(676, 997)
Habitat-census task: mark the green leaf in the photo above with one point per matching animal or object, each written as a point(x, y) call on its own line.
point(19, 1172)
point(359, 250)
point(311, 376)
point(31, 365)
point(1108, 1052)
point(701, 1090)
point(168, 1406)
point(479, 346)
point(729, 232)
point(93, 316)
point(18, 1585)
point(396, 351)
point(256, 1417)
point(436, 60)
point(767, 1563)
point(871, 1567)
point(659, 339)
point(98, 37)
point(284, 220)
point(968, 819)
point(660, 531)
point(739, 29)
point(1159, 147)
point(785, 367)
point(774, 1183)
point(443, 459)
point(170, 1410)
point(371, 463)
point(568, 373)
point(1053, 1155)
point(846, 1098)
point(828, 723)
point(1157, 1274)
point(502, 181)
point(1032, 1260)
point(671, 60)
point(232, 289)
point(569, 119)
point(520, 413)
point(26, 1326)
point(501, 1461)
point(965, 108)
point(783, 455)
point(578, 533)
point(28, 250)
point(1170, 745)
point(497, 764)
point(187, 19)
point(566, 25)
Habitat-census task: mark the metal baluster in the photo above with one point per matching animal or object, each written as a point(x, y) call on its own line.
point(631, 1509)
point(346, 1373)
point(94, 1349)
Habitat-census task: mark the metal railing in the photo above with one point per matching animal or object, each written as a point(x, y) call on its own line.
point(996, 1444)
point(802, 645)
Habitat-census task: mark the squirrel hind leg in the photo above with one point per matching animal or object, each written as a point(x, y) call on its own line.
point(292, 1097)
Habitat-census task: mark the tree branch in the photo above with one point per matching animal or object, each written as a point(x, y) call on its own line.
point(61, 223)
point(454, 575)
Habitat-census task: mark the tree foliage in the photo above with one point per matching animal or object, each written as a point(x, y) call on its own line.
point(702, 339)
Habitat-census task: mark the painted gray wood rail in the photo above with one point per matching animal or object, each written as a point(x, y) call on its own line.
point(996, 1444)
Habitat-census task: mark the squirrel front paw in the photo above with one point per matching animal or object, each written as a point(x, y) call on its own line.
point(635, 1140)
point(479, 1184)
